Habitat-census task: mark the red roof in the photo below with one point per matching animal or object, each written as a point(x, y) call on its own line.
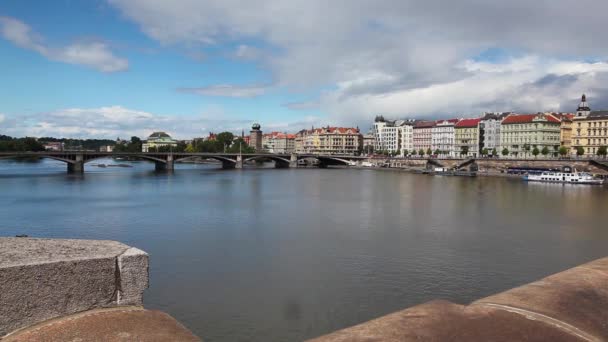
point(467, 123)
point(527, 118)
point(424, 124)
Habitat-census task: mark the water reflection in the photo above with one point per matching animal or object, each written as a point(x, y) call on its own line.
point(283, 255)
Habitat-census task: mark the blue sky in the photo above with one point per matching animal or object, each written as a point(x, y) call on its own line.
point(106, 68)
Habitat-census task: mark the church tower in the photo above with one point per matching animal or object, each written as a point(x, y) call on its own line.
point(583, 108)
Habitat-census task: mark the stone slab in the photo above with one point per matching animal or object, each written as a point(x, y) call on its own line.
point(108, 325)
point(445, 321)
point(568, 306)
point(576, 299)
point(41, 279)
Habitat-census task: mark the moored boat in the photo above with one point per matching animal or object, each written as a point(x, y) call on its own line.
point(564, 177)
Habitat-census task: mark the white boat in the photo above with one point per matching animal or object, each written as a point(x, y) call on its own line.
point(564, 177)
point(367, 164)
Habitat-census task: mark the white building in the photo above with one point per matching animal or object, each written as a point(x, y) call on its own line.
point(423, 135)
point(277, 142)
point(489, 131)
point(369, 143)
point(393, 136)
point(442, 137)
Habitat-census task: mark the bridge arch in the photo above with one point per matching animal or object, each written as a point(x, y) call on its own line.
point(18, 156)
point(143, 157)
point(326, 160)
point(218, 158)
point(271, 157)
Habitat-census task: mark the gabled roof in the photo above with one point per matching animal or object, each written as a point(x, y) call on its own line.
point(528, 118)
point(424, 124)
point(467, 123)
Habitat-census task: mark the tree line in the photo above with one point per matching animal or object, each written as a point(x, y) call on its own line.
point(27, 144)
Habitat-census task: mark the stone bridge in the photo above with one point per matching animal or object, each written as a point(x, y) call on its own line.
point(165, 161)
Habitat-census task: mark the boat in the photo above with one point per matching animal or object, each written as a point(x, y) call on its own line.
point(564, 177)
point(444, 171)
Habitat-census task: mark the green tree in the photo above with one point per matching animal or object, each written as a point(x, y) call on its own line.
point(225, 139)
point(535, 151)
point(484, 152)
point(421, 152)
point(429, 151)
point(545, 151)
point(437, 152)
point(580, 151)
point(464, 150)
point(240, 146)
point(505, 151)
point(602, 151)
point(527, 148)
point(405, 153)
point(563, 151)
point(494, 152)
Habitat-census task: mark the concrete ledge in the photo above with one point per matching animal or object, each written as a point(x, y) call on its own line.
point(108, 325)
point(568, 306)
point(41, 279)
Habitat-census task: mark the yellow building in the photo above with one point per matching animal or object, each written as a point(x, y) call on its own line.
point(329, 140)
point(466, 137)
point(589, 129)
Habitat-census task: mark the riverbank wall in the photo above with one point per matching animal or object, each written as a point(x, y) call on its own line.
point(60, 289)
point(492, 165)
point(567, 306)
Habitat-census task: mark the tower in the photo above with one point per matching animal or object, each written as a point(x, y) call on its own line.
point(255, 137)
point(583, 109)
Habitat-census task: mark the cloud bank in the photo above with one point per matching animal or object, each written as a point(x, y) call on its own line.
point(117, 121)
point(402, 57)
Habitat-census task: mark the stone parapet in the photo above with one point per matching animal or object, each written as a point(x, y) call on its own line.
point(42, 279)
point(568, 306)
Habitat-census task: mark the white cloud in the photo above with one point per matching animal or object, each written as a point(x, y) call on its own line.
point(117, 121)
point(96, 55)
point(227, 90)
point(400, 56)
point(2, 118)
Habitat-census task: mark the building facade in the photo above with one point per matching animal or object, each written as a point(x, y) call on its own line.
point(393, 136)
point(489, 132)
point(521, 133)
point(369, 143)
point(565, 134)
point(158, 140)
point(277, 142)
point(423, 135)
point(442, 137)
point(589, 129)
point(466, 138)
point(329, 140)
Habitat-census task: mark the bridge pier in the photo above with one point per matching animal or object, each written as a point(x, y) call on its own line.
point(239, 162)
point(293, 161)
point(229, 165)
point(167, 165)
point(77, 166)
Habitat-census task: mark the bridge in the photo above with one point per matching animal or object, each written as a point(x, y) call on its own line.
point(75, 160)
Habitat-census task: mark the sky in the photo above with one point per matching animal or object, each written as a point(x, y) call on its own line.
point(118, 68)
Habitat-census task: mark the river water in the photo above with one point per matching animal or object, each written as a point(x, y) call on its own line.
point(284, 255)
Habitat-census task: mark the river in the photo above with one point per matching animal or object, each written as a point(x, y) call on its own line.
point(289, 254)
